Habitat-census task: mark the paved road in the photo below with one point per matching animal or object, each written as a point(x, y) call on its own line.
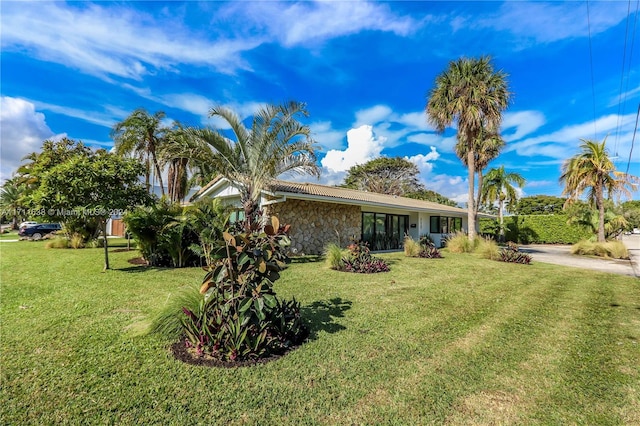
point(561, 255)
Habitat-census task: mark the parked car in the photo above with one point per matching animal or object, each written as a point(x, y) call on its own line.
point(36, 232)
point(27, 224)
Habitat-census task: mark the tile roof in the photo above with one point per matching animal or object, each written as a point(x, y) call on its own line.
point(360, 197)
point(344, 195)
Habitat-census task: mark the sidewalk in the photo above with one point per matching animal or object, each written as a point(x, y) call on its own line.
point(632, 242)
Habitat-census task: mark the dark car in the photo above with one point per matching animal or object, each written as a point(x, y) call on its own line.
point(36, 232)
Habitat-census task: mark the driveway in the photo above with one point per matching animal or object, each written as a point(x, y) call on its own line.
point(561, 255)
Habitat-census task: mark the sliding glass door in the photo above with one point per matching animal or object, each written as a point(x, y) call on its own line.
point(384, 231)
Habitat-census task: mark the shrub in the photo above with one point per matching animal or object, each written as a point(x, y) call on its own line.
point(240, 317)
point(488, 249)
point(59, 242)
point(411, 247)
point(613, 249)
point(459, 243)
point(168, 323)
point(514, 256)
point(427, 241)
point(76, 241)
point(430, 252)
point(544, 229)
point(333, 256)
point(359, 260)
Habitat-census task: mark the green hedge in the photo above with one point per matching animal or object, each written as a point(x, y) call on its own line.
point(540, 229)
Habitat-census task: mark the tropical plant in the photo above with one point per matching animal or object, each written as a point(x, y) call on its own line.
point(498, 187)
point(240, 316)
point(333, 255)
point(430, 252)
point(514, 256)
point(141, 135)
point(488, 249)
point(459, 242)
point(275, 144)
point(583, 214)
point(592, 170)
point(487, 147)
point(360, 260)
point(12, 201)
point(183, 152)
point(209, 219)
point(613, 249)
point(411, 247)
point(473, 95)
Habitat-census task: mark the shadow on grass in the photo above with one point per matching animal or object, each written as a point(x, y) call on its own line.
point(321, 315)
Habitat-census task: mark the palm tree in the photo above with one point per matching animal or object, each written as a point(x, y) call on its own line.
point(11, 200)
point(592, 170)
point(276, 143)
point(487, 149)
point(141, 135)
point(183, 152)
point(473, 95)
point(498, 186)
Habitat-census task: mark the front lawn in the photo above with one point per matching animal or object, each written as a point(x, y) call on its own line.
point(458, 340)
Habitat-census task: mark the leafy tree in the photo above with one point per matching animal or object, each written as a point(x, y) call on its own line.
point(593, 171)
point(429, 195)
point(631, 212)
point(275, 143)
point(471, 94)
point(391, 176)
point(498, 187)
point(539, 204)
point(141, 135)
point(93, 185)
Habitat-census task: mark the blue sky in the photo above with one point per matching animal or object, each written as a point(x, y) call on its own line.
point(364, 70)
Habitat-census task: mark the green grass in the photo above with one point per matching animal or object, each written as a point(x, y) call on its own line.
point(460, 340)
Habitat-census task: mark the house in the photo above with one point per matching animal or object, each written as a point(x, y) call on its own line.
point(319, 214)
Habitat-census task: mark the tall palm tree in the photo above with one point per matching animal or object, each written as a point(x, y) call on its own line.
point(487, 148)
point(498, 186)
point(141, 135)
point(473, 95)
point(592, 170)
point(183, 152)
point(276, 143)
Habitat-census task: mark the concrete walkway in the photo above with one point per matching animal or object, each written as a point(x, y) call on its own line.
point(561, 255)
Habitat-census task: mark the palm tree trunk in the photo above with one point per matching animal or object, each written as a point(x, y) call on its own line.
point(600, 203)
point(476, 207)
point(471, 222)
point(501, 217)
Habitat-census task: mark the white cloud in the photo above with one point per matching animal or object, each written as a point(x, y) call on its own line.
point(524, 122)
point(425, 162)
point(22, 131)
point(114, 41)
point(546, 22)
point(373, 115)
point(564, 143)
point(323, 133)
point(105, 119)
point(362, 146)
point(305, 23)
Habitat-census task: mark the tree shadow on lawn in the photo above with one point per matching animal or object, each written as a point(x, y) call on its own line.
point(321, 316)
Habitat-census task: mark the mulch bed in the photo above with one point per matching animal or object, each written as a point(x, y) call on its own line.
point(138, 261)
point(181, 353)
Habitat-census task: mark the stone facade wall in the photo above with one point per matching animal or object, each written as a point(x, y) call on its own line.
point(314, 224)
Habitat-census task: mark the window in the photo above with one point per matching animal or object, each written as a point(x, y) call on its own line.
point(445, 225)
point(236, 216)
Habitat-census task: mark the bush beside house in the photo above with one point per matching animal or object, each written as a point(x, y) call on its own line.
point(537, 229)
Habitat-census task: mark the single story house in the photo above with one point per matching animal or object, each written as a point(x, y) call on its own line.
point(320, 214)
